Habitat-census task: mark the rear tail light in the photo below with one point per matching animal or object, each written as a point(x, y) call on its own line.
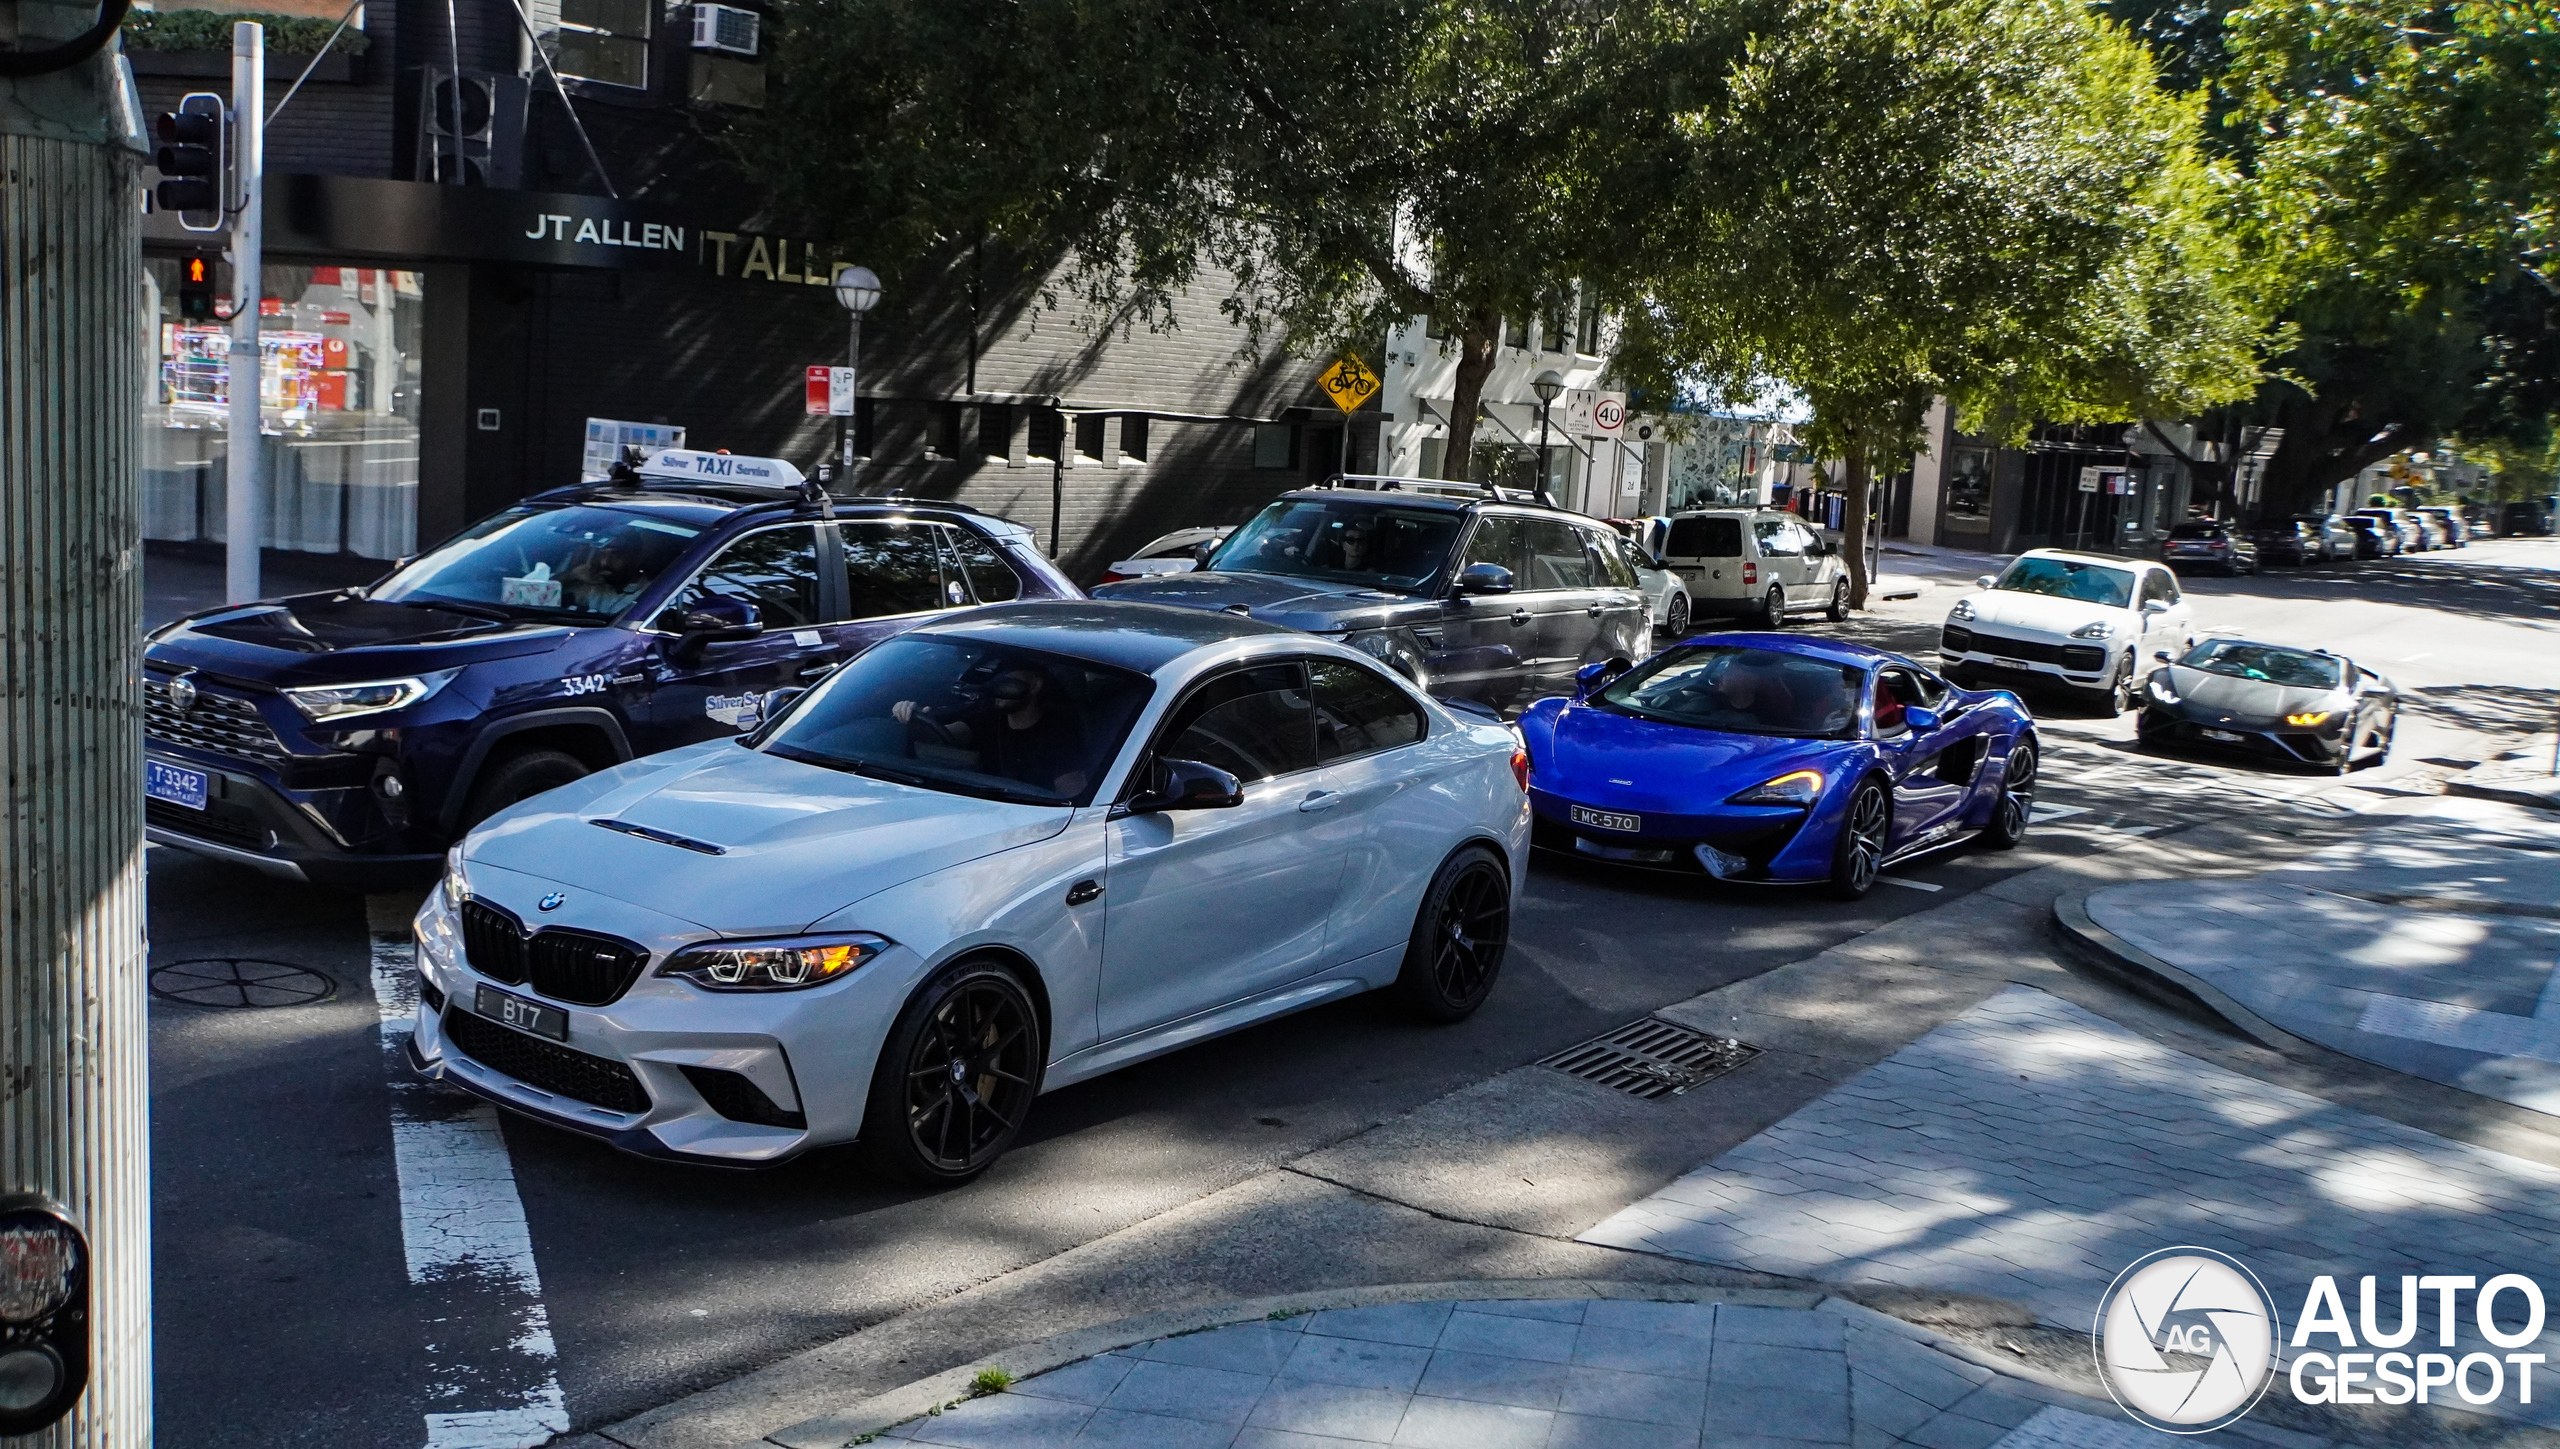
point(1113, 576)
point(1750, 575)
point(1520, 768)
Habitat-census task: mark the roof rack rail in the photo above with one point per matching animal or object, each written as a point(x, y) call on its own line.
point(1439, 488)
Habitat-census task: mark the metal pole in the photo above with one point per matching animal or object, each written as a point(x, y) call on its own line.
point(75, 355)
point(845, 429)
point(243, 513)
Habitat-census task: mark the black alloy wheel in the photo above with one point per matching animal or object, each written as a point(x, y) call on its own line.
point(1773, 609)
point(1838, 613)
point(1458, 938)
point(2016, 807)
point(955, 1078)
point(1858, 858)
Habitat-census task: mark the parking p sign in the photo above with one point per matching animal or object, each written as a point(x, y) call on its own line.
point(827, 392)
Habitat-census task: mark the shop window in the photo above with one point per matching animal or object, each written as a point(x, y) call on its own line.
point(1089, 436)
point(339, 386)
point(995, 430)
point(1048, 433)
point(1967, 500)
point(604, 40)
point(942, 430)
point(1275, 445)
point(1133, 438)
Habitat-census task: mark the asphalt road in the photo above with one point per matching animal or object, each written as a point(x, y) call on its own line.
point(286, 1315)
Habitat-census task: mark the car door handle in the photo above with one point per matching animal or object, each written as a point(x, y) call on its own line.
point(1519, 617)
point(1320, 800)
point(1596, 610)
point(1083, 891)
point(814, 670)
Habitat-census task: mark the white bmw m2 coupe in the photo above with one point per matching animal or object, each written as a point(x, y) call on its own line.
point(996, 855)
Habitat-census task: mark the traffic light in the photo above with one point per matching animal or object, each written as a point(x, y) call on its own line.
point(195, 287)
point(193, 158)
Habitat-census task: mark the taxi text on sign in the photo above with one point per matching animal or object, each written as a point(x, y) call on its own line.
point(1349, 383)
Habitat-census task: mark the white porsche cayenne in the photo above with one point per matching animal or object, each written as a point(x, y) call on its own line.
point(994, 856)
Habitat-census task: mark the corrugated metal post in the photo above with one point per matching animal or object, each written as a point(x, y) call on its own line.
point(244, 515)
point(74, 1118)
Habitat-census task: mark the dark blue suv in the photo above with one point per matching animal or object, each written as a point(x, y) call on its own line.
point(347, 738)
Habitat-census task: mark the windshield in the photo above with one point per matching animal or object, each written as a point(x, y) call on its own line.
point(2297, 668)
point(2064, 578)
point(967, 717)
point(579, 563)
point(1741, 691)
point(1379, 546)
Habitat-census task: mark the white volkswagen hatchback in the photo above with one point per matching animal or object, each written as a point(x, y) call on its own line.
point(994, 856)
point(2053, 617)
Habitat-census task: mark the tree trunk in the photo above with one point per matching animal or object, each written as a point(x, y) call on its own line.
point(1853, 522)
point(1476, 346)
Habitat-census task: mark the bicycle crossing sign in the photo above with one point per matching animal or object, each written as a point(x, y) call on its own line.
point(1349, 383)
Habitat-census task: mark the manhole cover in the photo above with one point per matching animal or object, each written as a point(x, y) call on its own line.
point(1652, 1058)
point(240, 981)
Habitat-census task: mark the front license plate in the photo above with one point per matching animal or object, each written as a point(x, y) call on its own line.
point(1607, 820)
point(2225, 736)
point(521, 1014)
point(2011, 663)
point(176, 784)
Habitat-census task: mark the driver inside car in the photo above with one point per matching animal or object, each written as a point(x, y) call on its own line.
point(605, 580)
point(1018, 729)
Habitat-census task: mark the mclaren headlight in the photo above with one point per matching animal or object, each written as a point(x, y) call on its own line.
point(321, 703)
point(792, 964)
point(2311, 720)
point(2158, 685)
point(1962, 611)
point(2103, 629)
point(1802, 787)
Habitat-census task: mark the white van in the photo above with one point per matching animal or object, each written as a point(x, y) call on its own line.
point(1756, 562)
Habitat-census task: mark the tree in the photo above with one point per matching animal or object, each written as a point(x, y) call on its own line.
point(1986, 200)
point(1350, 164)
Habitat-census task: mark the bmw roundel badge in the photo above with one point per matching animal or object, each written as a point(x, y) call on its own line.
point(551, 902)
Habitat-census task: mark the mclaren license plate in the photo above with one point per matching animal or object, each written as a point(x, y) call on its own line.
point(1607, 819)
point(510, 1010)
point(176, 784)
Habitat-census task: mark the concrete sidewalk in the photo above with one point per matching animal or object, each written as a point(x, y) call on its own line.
point(2429, 947)
point(2526, 775)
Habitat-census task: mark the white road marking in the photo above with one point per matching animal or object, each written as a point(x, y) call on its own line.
point(1909, 885)
point(2045, 813)
point(463, 1226)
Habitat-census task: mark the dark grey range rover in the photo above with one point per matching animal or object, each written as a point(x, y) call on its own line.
point(1468, 593)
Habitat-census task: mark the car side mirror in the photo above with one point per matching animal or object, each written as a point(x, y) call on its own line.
point(1985, 581)
point(2163, 656)
point(1187, 785)
point(1921, 718)
point(2155, 606)
point(1484, 578)
point(1201, 551)
point(716, 620)
point(1592, 676)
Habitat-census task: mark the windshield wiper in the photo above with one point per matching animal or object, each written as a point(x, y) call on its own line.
point(472, 611)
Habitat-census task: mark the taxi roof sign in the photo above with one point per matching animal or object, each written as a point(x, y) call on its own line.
point(734, 469)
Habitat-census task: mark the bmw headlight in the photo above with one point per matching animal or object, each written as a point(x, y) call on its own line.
point(786, 965)
point(1962, 611)
point(320, 703)
point(2100, 630)
point(2160, 690)
point(456, 888)
point(1803, 787)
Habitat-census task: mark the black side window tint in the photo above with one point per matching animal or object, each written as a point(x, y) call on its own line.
point(1501, 538)
point(775, 569)
point(1253, 724)
point(891, 568)
point(1705, 538)
point(989, 575)
point(1558, 558)
point(1358, 712)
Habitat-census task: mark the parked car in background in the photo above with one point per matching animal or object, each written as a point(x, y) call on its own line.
point(348, 737)
point(2413, 533)
point(2302, 706)
point(2210, 544)
point(2375, 537)
point(1464, 591)
point(886, 918)
point(1758, 563)
point(2314, 537)
point(1773, 757)
point(2449, 522)
point(1177, 552)
point(2524, 518)
point(1664, 593)
point(2054, 617)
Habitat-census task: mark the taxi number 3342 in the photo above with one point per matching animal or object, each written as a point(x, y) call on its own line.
point(577, 684)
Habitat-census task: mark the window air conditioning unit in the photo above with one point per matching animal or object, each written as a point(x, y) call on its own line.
point(725, 28)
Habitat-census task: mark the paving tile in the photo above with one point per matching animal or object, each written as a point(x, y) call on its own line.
point(1640, 1351)
point(2059, 1428)
point(1359, 1364)
point(1559, 1310)
point(1485, 1378)
point(1088, 1382)
point(1004, 1421)
point(1761, 1364)
point(1115, 1429)
point(1450, 1424)
point(1650, 1398)
point(1873, 1401)
point(1811, 1415)
point(1188, 1391)
point(1580, 1431)
point(1253, 1438)
point(1418, 1324)
point(1530, 1338)
point(1337, 1411)
point(1254, 1348)
point(1955, 1431)
point(1992, 1406)
point(1687, 1320)
point(1781, 1327)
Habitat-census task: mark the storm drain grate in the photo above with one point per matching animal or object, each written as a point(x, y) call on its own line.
point(240, 981)
point(1652, 1058)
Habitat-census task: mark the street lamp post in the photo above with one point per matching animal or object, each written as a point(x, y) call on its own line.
point(857, 288)
point(1547, 385)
